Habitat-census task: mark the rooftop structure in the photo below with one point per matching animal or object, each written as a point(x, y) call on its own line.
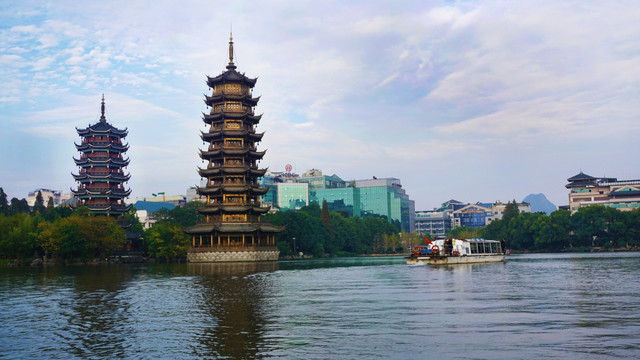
point(585, 190)
point(232, 207)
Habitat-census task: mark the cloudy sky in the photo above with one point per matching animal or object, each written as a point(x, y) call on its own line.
point(471, 100)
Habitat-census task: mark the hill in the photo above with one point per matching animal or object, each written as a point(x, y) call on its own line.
point(540, 203)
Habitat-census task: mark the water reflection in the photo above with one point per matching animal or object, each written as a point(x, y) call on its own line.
point(94, 312)
point(531, 306)
point(234, 303)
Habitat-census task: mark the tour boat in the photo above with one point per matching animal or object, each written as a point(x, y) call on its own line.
point(456, 251)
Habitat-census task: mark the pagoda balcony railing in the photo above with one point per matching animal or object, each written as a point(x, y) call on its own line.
point(234, 109)
point(103, 203)
point(100, 142)
point(100, 155)
point(234, 246)
point(218, 128)
point(100, 173)
point(93, 187)
point(232, 147)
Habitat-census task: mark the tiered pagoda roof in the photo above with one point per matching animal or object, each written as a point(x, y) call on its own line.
point(101, 162)
point(232, 207)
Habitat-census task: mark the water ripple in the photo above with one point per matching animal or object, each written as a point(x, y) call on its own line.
point(531, 306)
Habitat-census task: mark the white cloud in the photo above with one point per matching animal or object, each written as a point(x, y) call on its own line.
point(353, 88)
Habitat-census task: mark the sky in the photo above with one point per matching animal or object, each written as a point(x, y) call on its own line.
point(477, 101)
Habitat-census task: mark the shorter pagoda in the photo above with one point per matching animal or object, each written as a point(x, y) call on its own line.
point(101, 177)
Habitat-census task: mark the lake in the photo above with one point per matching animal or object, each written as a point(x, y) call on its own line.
point(569, 306)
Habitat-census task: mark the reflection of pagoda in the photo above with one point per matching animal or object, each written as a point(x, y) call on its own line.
point(101, 177)
point(232, 230)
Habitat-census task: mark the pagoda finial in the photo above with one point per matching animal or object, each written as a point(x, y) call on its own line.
point(231, 65)
point(102, 118)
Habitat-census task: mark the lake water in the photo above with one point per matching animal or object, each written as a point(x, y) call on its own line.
point(568, 306)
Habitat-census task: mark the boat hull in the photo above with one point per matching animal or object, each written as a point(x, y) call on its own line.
point(450, 260)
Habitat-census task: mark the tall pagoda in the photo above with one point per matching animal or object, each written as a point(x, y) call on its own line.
point(232, 230)
point(101, 177)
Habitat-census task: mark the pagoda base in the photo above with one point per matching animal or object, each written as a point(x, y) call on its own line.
point(214, 255)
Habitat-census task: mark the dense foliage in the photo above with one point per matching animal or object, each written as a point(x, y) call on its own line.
point(592, 226)
point(166, 240)
point(58, 234)
point(55, 232)
point(318, 232)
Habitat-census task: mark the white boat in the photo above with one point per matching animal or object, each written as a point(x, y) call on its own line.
point(457, 251)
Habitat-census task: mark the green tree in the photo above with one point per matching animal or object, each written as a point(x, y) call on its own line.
point(589, 226)
point(510, 211)
point(312, 210)
point(555, 231)
point(18, 235)
point(18, 206)
point(464, 232)
point(50, 205)
point(38, 206)
point(4, 204)
point(187, 215)
point(166, 241)
point(81, 237)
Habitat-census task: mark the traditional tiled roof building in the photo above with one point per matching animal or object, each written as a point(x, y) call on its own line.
point(232, 230)
point(101, 177)
point(585, 190)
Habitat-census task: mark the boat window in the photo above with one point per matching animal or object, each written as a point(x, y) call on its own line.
point(474, 248)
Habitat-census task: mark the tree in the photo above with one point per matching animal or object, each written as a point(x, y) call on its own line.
point(589, 226)
point(4, 204)
point(50, 205)
point(19, 206)
point(80, 237)
point(38, 206)
point(464, 232)
point(18, 234)
point(510, 211)
point(555, 231)
point(187, 215)
point(166, 241)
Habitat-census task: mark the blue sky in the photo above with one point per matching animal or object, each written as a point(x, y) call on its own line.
point(471, 100)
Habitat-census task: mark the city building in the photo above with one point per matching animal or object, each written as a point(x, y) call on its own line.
point(57, 196)
point(146, 209)
point(387, 198)
point(176, 200)
point(436, 223)
point(292, 195)
point(232, 230)
point(372, 197)
point(585, 190)
point(454, 213)
point(101, 177)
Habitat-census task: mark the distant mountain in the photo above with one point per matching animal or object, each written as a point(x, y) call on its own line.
point(539, 203)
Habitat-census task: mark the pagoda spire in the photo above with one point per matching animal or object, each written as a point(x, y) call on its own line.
point(231, 65)
point(102, 118)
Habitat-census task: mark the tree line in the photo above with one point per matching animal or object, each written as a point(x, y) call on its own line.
point(71, 236)
point(58, 232)
point(311, 230)
point(591, 226)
